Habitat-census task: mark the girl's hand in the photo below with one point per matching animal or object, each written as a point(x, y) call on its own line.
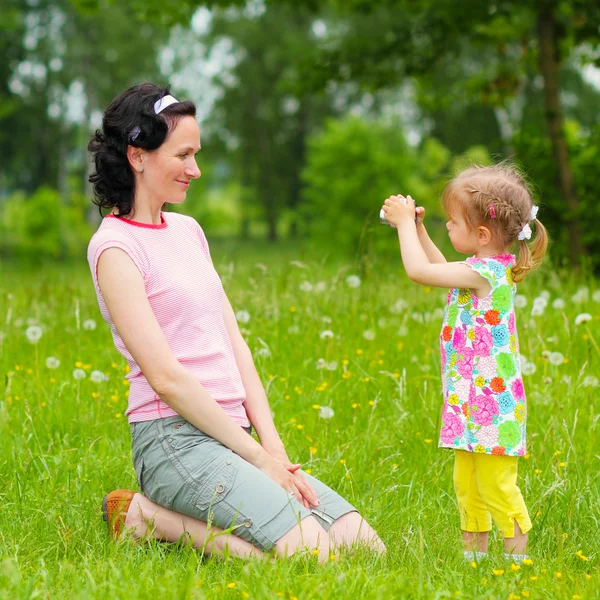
point(398, 209)
point(293, 483)
point(420, 212)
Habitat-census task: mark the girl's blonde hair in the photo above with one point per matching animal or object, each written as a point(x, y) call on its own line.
point(498, 198)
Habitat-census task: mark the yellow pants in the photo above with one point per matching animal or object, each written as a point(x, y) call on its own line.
point(486, 488)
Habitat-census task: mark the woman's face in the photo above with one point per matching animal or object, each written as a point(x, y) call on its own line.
point(169, 170)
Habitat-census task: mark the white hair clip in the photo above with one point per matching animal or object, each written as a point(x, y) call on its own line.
point(525, 233)
point(165, 101)
point(159, 106)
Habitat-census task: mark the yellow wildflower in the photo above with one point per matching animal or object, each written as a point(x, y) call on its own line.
point(231, 585)
point(498, 572)
point(527, 562)
point(515, 567)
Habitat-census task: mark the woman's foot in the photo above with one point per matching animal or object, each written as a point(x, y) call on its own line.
point(114, 510)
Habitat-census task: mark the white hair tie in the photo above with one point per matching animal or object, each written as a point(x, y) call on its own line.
point(525, 233)
point(159, 106)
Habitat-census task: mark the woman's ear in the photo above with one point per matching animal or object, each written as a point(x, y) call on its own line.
point(135, 156)
point(484, 236)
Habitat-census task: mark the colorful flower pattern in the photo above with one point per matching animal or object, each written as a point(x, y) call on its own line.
point(484, 400)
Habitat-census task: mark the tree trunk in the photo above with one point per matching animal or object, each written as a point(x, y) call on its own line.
point(549, 63)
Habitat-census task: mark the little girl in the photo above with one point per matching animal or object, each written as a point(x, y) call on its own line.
point(484, 412)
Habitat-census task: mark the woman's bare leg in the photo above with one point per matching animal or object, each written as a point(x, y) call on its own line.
point(145, 519)
point(307, 535)
point(351, 529)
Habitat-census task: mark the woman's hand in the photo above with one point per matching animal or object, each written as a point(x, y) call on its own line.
point(398, 209)
point(284, 473)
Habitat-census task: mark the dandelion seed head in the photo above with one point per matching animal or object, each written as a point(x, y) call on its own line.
point(520, 301)
point(263, 352)
point(559, 304)
point(52, 362)
point(326, 335)
point(590, 381)
point(528, 368)
point(89, 324)
point(306, 286)
point(556, 358)
point(33, 333)
point(97, 376)
point(79, 374)
point(242, 316)
point(582, 318)
point(399, 306)
point(369, 334)
point(596, 296)
point(326, 412)
point(353, 281)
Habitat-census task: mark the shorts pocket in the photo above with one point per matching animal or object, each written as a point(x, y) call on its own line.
point(215, 487)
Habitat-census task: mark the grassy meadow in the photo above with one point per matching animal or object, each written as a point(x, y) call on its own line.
point(349, 355)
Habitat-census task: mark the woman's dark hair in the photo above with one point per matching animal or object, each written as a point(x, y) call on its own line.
point(129, 120)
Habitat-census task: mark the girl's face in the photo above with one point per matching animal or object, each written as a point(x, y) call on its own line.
point(169, 170)
point(463, 239)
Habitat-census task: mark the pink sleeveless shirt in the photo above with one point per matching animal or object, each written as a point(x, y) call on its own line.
point(186, 296)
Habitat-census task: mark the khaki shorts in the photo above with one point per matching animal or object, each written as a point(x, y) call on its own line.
point(183, 469)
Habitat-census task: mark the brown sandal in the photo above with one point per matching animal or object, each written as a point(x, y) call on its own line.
point(114, 509)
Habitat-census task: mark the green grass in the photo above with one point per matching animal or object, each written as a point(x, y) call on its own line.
point(64, 443)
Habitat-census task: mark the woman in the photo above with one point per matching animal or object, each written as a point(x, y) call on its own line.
point(194, 392)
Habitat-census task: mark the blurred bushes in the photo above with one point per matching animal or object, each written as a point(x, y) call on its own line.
point(44, 226)
point(354, 164)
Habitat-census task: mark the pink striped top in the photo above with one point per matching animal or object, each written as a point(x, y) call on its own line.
point(186, 296)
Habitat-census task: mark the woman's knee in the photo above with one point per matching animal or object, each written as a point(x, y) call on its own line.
point(307, 535)
point(352, 528)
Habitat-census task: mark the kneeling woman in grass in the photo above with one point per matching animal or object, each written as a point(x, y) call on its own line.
point(194, 393)
point(484, 413)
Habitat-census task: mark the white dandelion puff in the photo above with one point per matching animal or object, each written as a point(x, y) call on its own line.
point(582, 318)
point(567, 379)
point(540, 301)
point(520, 301)
point(545, 294)
point(326, 320)
point(559, 304)
point(33, 333)
point(320, 286)
point(52, 362)
point(590, 381)
point(529, 368)
point(79, 374)
point(326, 335)
point(263, 352)
point(353, 281)
point(89, 324)
point(556, 358)
point(402, 331)
point(596, 296)
point(97, 376)
point(242, 316)
point(401, 305)
point(321, 362)
point(331, 366)
point(369, 334)
point(306, 286)
point(537, 310)
point(581, 296)
point(382, 323)
point(326, 412)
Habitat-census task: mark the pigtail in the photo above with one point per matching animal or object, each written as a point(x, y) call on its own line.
point(531, 254)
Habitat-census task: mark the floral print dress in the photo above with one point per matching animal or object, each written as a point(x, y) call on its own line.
point(484, 400)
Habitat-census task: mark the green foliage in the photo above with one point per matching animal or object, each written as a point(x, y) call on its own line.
point(354, 164)
point(351, 167)
point(43, 227)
